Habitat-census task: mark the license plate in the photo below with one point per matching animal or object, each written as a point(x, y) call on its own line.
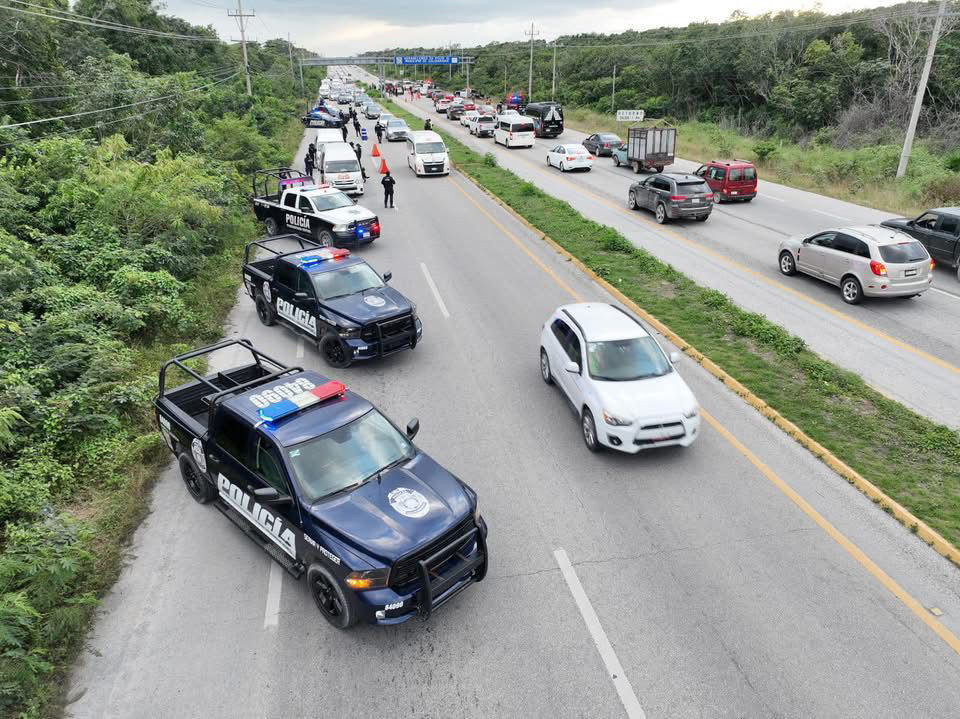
point(734, 192)
point(696, 200)
point(909, 273)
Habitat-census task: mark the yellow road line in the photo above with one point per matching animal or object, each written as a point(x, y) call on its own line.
point(719, 256)
point(852, 549)
point(836, 535)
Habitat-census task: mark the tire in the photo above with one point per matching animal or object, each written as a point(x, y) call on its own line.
point(265, 311)
point(197, 485)
point(334, 604)
point(545, 373)
point(616, 161)
point(562, 168)
point(632, 200)
point(716, 198)
point(787, 264)
point(325, 238)
point(588, 428)
point(636, 168)
point(659, 168)
point(661, 214)
point(273, 228)
point(548, 161)
point(851, 291)
point(334, 352)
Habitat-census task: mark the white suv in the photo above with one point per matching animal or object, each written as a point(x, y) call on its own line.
point(625, 389)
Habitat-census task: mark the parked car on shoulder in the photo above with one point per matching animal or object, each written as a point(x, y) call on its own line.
point(730, 180)
point(863, 261)
point(672, 196)
point(938, 230)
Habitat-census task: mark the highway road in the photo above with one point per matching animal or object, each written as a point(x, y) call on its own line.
point(736, 578)
point(908, 349)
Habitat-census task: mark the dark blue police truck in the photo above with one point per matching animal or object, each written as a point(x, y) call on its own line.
point(326, 484)
point(336, 300)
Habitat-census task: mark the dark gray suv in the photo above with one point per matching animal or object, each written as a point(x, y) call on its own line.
point(672, 195)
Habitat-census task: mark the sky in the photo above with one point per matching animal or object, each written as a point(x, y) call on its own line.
point(345, 28)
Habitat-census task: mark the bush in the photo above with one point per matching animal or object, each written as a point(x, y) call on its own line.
point(952, 162)
point(765, 149)
point(943, 190)
point(490, 160)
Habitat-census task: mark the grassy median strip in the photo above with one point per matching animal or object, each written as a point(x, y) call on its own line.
point(914, 460)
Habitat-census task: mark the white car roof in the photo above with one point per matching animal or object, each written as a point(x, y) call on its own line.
point(573, 146)
point(425, 136)
point(601, 322)
point(338, 150)
point(877, 234)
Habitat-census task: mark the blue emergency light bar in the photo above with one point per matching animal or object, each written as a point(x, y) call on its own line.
point(323, 255)
point(301, 400)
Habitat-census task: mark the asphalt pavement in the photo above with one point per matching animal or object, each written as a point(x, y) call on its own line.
point(908, 349)
point(736, 578)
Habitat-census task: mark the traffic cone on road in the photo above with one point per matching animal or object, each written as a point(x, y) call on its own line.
point(383, 167)
point(375, 152)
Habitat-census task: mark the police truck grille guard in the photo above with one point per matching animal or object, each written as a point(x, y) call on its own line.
point(392, 334)
point(443, 563)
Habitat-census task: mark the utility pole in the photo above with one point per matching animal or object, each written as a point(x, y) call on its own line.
point(532, 35)
point(921, 91)
point(613, 92)
point(553, 90)
point(302, 91)
point(241, 17)
point(504, 80)
point(293, 74)
point(468, 73)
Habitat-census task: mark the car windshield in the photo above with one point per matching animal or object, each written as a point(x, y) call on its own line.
point(341, 166)
point(331, 200)
point(429, 148)
point(626, 360)
point(485, 118)
point(396, 123)
point(575, 150)
point(903, 252)
point(348, 456)
point(691, 188)
point(345, 281)
point(608, 137)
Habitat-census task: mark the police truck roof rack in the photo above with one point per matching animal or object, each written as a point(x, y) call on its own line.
point(283, 176)
point(323, 253)
point(218, 393)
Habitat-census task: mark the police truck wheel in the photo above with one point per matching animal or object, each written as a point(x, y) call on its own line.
point(325, 238)
point(334, 351)
point(332, 601)
point(272, 227)
point(198, 485)
point(265, 311)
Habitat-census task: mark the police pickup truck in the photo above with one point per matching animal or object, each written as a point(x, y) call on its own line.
point(339, 302)
point(287, 200)
point(325, 484)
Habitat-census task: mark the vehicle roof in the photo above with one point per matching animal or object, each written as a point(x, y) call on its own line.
point(326, 266)
point(425, 136)
point(601, 322)
point(338, 148)
point(681, 176)
point(877, 234)
point(731, 163)
point(309, 422)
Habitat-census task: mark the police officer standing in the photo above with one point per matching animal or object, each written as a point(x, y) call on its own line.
point(388, 182)
point(379, 131)
point(308, 162)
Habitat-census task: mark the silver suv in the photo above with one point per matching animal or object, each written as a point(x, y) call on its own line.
point(868, 260)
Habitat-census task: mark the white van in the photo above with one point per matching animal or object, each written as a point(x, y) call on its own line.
point(514, 131)
point(326, 135)
point(339, 167)
point(426, 153)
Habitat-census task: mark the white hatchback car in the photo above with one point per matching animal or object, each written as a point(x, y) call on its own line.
point(570, 157)
point(624, 388)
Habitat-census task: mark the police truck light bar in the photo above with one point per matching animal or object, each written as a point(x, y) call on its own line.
point(296, 402)
point(322, 255)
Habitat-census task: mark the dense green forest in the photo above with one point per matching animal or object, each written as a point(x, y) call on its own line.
point(119, 234)
point(850, 77)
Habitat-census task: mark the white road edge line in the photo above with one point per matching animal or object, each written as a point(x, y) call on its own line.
point(436, 292)
point(944, 292)
point(771, 197)
point(609, 657)
point(830, 214)
point(299, 347)
point(271, 612)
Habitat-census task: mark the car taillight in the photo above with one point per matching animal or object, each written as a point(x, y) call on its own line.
point(678, 198)
point(932, 265)
point(708, 196)
point(375, 228)
point(878, 268)
point(589, 157)
point(606, 144)
point(571, 159)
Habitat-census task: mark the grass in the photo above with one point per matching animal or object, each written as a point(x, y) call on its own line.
point(863, 176)
point(912, 459)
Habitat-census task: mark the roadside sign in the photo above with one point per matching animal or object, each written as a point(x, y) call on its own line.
point(630, 115)
point(426, 60)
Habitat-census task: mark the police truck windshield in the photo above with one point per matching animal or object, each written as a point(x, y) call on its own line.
point(347, 281)
point(348, 456)
point(330, 201)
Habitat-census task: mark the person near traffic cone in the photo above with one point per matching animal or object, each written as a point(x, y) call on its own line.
point(308, 163)
point(388, 183)
point(379, 130)
point(359, 152)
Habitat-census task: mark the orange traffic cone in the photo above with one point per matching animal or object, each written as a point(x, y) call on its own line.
point(383, 167)
point(376, 151)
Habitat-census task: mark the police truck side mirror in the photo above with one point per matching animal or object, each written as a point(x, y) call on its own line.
point(301, 296)
point(269, 495)
point(387, 276)
point(413, 426)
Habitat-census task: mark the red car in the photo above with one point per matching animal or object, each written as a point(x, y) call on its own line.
point(730, 180)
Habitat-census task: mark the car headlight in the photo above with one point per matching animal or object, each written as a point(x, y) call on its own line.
point(691, 413)
point(349, 332)
point(341, 228)
point(369, 579)
point(616, 421)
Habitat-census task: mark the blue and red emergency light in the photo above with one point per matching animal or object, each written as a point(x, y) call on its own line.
point(323, 255)
point(301, 400)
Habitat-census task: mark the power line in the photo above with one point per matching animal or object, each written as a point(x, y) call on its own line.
point(53, 14)
point(117, 107)
point(81, 129)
